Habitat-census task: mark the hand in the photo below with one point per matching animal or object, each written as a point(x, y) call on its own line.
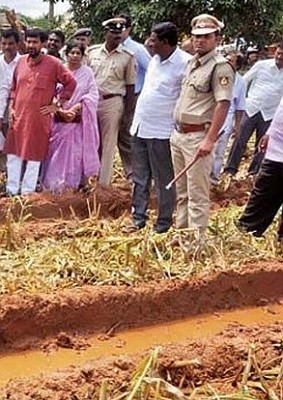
point(205, 148)
point(262, 146)
point(52, 108)
point(68, 115)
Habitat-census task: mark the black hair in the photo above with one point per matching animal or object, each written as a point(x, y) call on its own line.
point(58, 33)
point(37, 33)
point(166, 31)
point(239, 59)
point(72, 45)
point(280, 44)
point(8, 33)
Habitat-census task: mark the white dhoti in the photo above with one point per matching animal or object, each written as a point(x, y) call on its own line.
point(21, 181)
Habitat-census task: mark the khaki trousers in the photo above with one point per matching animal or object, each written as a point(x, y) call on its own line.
point(193, 187)
point(109, 115)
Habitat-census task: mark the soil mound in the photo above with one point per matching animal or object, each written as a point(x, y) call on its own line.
point(107, 202)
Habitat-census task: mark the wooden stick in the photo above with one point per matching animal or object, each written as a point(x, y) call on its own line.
point(182, 172)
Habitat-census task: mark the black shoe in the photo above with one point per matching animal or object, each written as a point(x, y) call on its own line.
point(160, 229)
point(7, 194)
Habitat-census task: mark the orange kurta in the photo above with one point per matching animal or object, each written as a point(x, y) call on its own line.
point(34, 86)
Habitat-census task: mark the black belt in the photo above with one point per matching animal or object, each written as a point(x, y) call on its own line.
point(109, 95)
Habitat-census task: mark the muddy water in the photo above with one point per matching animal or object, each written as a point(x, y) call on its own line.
point(26, 364)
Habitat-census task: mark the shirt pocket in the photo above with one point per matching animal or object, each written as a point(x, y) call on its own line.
point(116, 70)
point(200, 84)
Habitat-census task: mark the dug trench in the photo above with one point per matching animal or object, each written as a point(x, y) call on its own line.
point(27, 319)
point(71, 318)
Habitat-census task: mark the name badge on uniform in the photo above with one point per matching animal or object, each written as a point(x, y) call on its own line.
point(224, 80)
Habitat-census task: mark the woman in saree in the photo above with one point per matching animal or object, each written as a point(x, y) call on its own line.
point(73, 149)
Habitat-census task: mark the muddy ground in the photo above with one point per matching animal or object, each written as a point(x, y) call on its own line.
point(107, 202)
point(26, 321)
point(219, 361)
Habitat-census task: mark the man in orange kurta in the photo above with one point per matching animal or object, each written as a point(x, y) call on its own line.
point(34, 85)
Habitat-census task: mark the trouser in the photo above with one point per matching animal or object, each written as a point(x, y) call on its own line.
point(124, 141)
point(3, 161)
point(193, 187)
point(3, 157)
point(248, 126)
point(265, 199)
point(22, 175)
point(109, 115)
point(152, 159)
point(219, 154)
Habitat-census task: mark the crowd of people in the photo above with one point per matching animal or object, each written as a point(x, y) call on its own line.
point(66, 107)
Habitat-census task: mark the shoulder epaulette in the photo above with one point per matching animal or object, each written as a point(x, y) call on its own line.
point(130, 52)
point(94, 47)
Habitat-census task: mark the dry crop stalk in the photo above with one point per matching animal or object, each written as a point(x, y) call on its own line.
point(269, 391)
point(280, 375)
point(247, 369)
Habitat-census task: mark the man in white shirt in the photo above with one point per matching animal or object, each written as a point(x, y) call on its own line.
point(8, 61)
point(267, 194)
point(265, 82)
point(234, 116)
point(152, 126)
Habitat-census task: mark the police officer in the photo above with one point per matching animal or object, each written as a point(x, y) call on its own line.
point(83, 36)
point(199, 114)
point(114, 70)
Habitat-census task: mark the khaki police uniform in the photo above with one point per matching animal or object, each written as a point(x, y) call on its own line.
point(113, 72)
point(209, 79)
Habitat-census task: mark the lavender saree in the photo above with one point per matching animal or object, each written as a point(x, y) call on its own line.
point(73, 147)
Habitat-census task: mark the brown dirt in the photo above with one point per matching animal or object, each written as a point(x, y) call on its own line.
point(112, 202)
point(26, 319)
point(237, 194)
point(52, 320)
point(219, 360)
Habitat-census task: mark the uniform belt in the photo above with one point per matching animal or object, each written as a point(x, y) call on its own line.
point(109, 95)
point(190, 128)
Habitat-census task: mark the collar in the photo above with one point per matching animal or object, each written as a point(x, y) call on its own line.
point(119, 49)
point(202, 60)
point(32, 62)
point(15, 59)
point(172, 59)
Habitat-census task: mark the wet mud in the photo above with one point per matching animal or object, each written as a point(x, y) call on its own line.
point(188, 364)
point(66, 319)
point(26, 319)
